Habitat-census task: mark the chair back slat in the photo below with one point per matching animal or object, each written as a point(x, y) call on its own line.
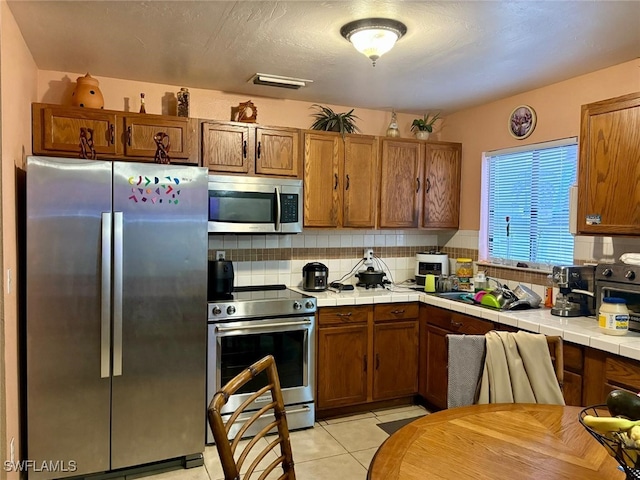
point(227, 446)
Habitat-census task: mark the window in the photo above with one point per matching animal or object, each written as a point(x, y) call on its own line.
point(525, 214)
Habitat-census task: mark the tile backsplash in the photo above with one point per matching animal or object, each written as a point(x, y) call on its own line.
point(268, 259)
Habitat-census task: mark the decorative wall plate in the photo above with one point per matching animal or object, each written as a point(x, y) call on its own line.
point(522, 122)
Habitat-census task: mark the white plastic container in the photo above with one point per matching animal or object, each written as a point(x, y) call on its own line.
point(613, 317)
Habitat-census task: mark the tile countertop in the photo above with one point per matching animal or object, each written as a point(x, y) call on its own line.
point(578, 330)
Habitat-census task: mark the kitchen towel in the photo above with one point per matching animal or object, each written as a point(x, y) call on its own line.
point(518, 369)
point(630, 258)
point(466, 358)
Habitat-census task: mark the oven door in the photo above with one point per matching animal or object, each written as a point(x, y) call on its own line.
point(631, 294)
point(234, 346)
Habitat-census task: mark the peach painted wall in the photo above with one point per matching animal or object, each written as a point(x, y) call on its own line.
point(56, 87)
point(557, 107)
point(18, 90)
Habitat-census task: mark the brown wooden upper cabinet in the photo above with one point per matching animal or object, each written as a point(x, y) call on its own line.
point(340, 180)
point(243, 148)
point(116, 135)
point(419, 184)
point(608, 169)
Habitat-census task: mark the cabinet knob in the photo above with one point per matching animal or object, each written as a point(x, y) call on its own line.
point(418, 189)
point(244, 149)
point(335, 187)
point(112, 133)
point(348, 314)
point(259, 148)
point(428, 186)
point(377, 361)
point(347, 187)
point(397, 312)
point(456, 324)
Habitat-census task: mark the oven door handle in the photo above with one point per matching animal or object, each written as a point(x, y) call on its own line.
point(269, 326)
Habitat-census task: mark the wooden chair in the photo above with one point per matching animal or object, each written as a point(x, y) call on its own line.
point(227, 446)
point(557, 357)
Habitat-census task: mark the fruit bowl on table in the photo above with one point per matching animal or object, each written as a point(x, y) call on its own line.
point(616, 443)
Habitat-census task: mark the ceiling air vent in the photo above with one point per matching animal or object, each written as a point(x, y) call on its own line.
point(279, 81)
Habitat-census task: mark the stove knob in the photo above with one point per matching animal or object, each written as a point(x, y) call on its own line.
point(231, 310)
point(308, 305)
point(606, 272)
point(216, 310)
point(297, 305)
point(630, 275)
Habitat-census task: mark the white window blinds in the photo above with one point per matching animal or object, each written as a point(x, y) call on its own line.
point(528, 204)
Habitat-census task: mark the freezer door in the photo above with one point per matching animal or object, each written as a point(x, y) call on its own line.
point(160, 312)
point(68, 384)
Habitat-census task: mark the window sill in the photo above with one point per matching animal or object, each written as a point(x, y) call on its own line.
point(484, 263)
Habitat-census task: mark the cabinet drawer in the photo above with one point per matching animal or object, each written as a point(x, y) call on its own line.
point(343, 315)
point(623, 372)
point(469, 325)
point(395, 311)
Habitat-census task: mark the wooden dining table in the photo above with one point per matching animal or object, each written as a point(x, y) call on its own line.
point(495, 442)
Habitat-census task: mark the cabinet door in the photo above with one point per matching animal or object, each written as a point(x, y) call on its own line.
point(608, 169)
point(436, 382)
point(342, 365)
point(441, 200)
point(141, 130)
point(400, 183)
point(322, 183)
point(57, 129)
point(395, 359)
point(227, 148)
point(277, 151)
point(360, 182)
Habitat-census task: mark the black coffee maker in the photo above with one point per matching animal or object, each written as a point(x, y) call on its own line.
point(220, 281)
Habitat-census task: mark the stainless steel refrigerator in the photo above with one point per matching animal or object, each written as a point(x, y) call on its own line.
point(116, 321)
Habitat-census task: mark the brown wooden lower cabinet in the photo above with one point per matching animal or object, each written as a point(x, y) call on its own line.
point(435, 324)
point(373, 353)
point(604, 372)
point(366, 353)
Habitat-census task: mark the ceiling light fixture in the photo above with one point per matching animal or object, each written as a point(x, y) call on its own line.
point(279, 81)
point(373, 36)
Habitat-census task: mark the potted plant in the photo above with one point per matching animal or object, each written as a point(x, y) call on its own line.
point(424, 126)
point(330, 121)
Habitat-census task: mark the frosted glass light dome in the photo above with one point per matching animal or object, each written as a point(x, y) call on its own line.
point(373, 36)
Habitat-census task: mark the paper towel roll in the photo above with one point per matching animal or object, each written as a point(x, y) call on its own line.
point(430, 283)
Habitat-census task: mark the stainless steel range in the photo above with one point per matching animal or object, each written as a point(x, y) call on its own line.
point(259, 321)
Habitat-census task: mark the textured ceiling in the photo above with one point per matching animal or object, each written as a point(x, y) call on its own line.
point(454, 55)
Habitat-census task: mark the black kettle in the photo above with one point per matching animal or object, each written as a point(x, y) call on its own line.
point(220, 280)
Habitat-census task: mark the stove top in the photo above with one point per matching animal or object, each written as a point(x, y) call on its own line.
point(260, 301)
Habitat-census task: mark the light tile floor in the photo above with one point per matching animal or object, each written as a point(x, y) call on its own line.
point(340, 448)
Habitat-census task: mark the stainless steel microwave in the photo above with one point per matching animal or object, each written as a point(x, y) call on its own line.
point(239, 204)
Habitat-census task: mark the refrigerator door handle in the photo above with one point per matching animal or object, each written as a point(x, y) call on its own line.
point(117, 293)
point(105, 302)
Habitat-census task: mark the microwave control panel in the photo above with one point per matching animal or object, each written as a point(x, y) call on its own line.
point(289, 205)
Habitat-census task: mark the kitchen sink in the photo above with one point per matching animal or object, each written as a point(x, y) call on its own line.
point(464, 297)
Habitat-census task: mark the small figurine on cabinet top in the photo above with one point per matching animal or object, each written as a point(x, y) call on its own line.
point(142, 109)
